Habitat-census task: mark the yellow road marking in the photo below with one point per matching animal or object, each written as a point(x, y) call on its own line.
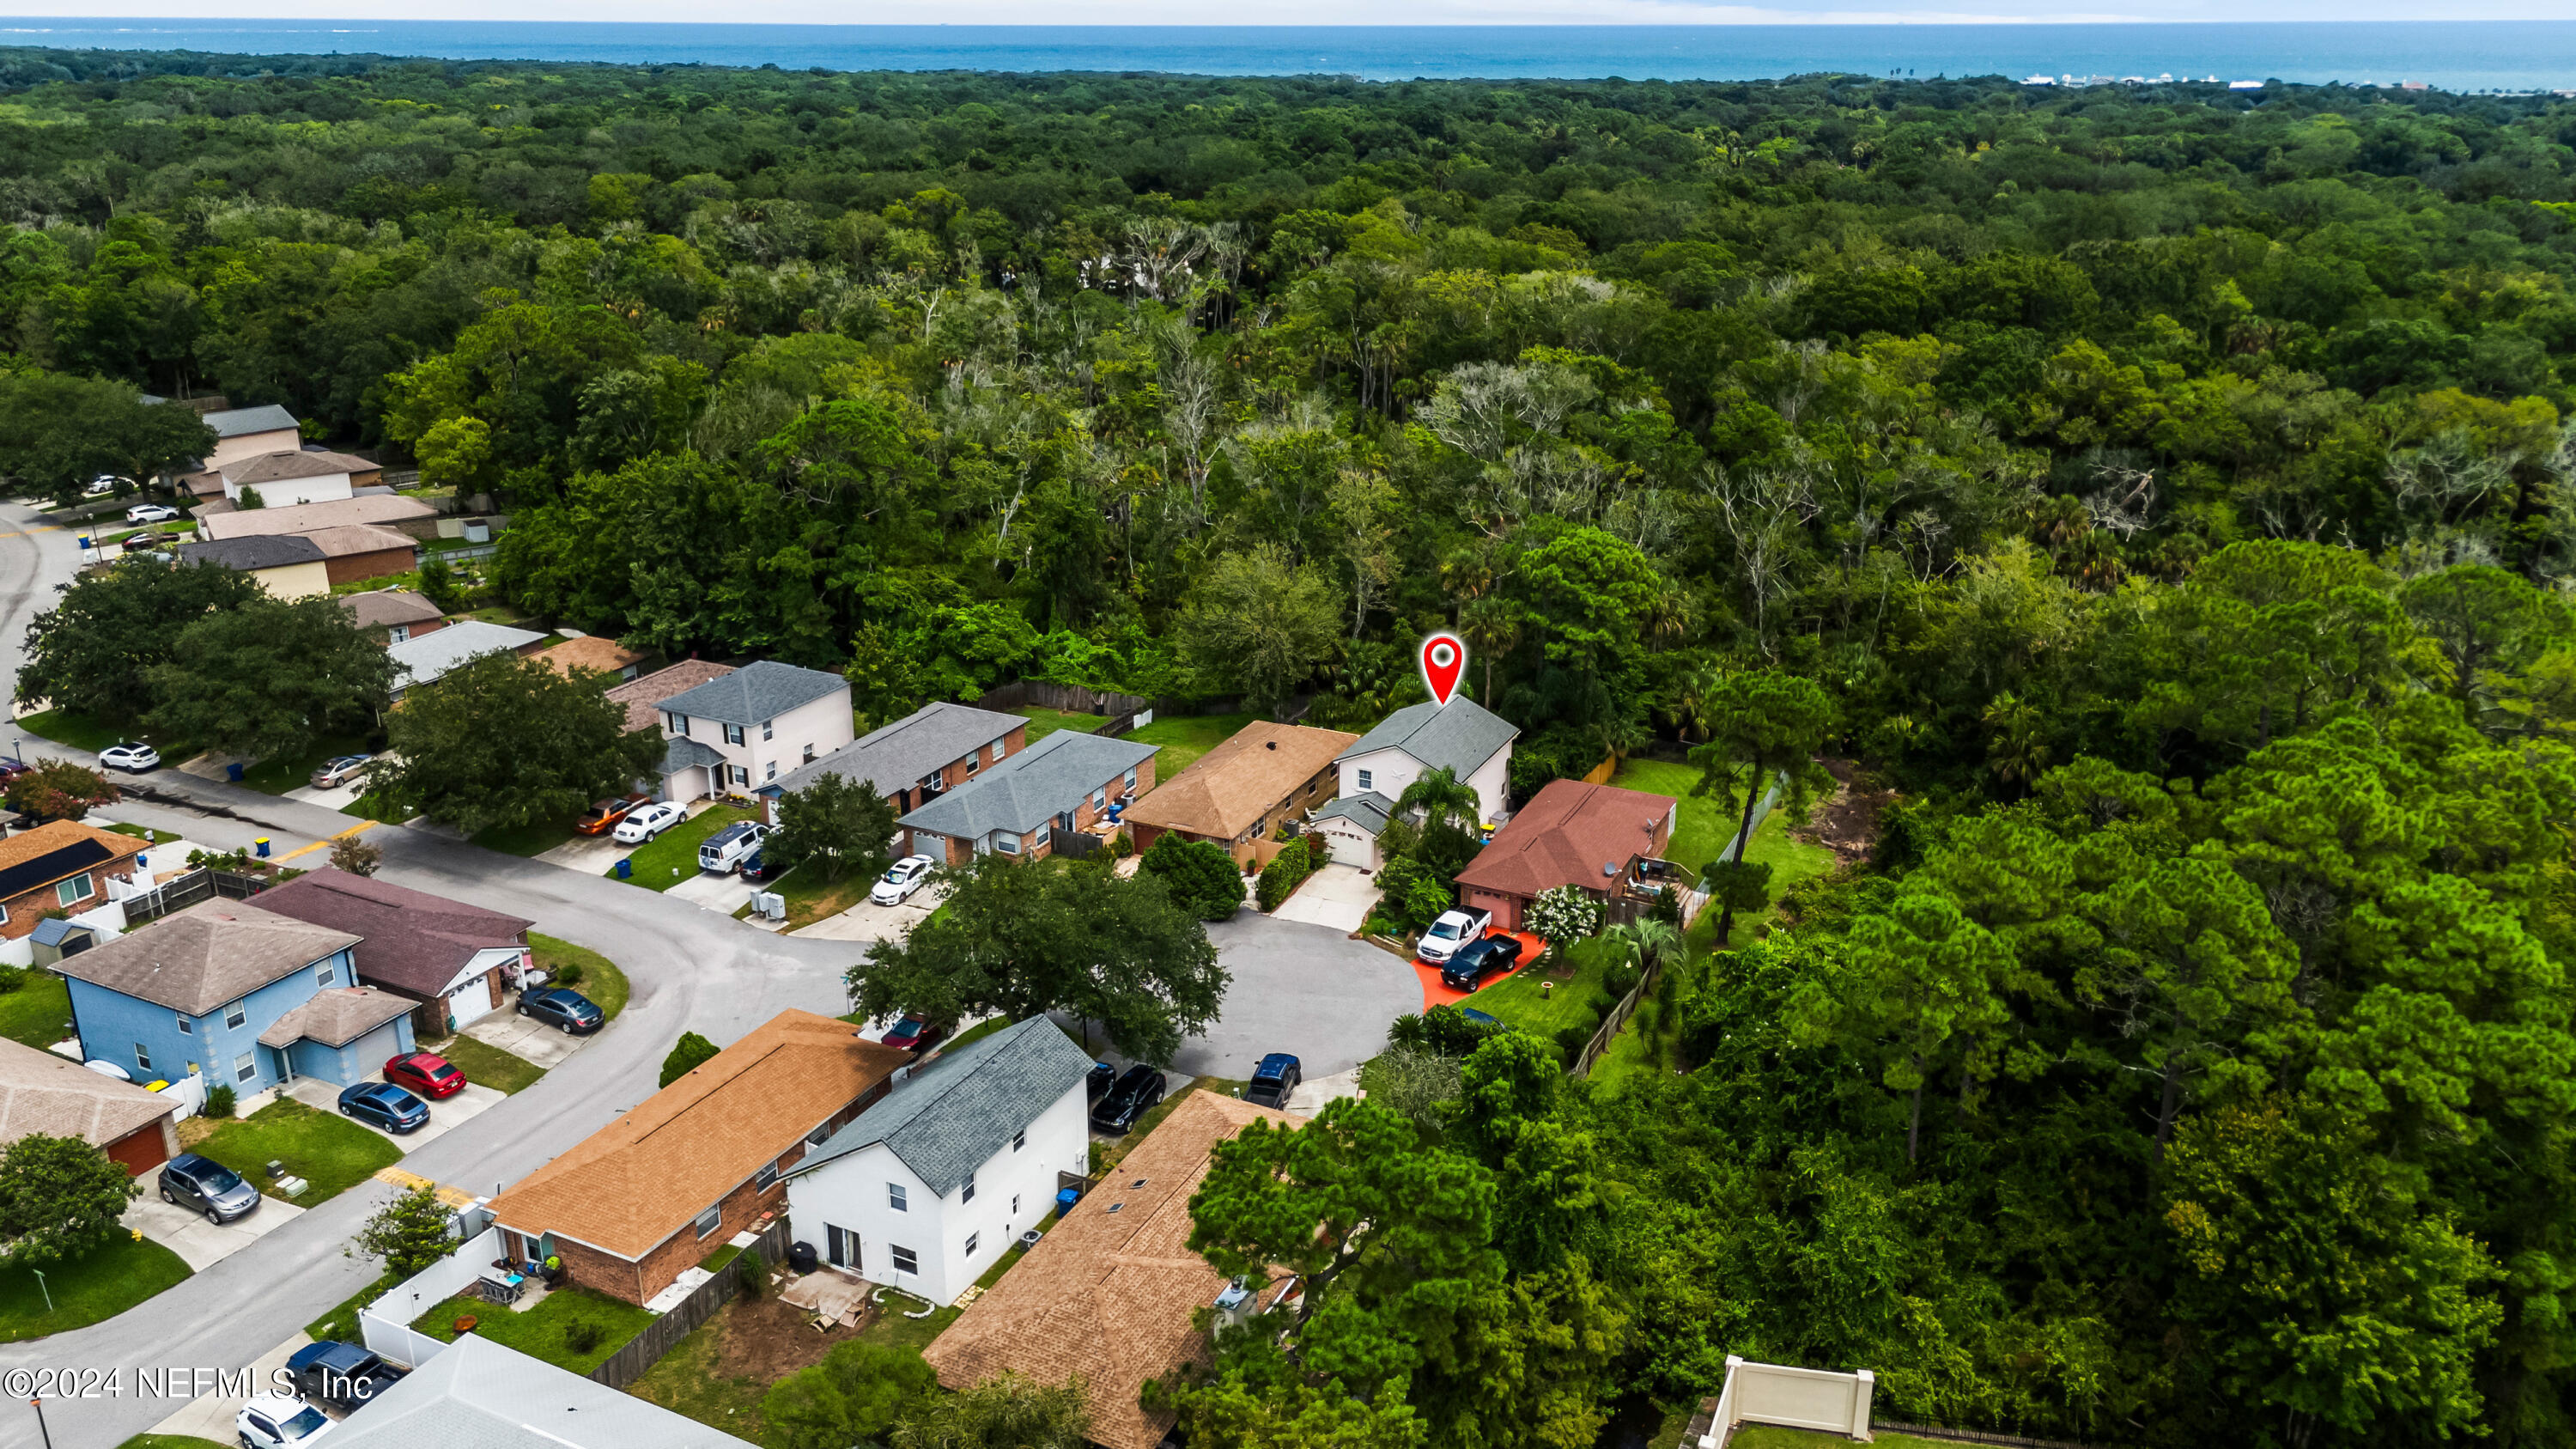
point(325, 843)
point(39, 528)
point(396, 1177)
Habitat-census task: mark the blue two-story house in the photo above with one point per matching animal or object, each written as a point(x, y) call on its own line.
point(249, 997)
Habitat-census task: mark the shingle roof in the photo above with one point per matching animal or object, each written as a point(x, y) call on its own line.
point(235, 422)
point(271, 551)
point(341, 540)
point(410, 940)
point(1457, 736)
point(1369, 810)
point(477, 1394)
point(681, 753)
point(426, 658)
point(1050, 776)
point(643, 697)
point(386, 607)
point(643, 1177)
point(1230, 787)
point(590, 651)
point(762, 689)
point(901, 755)
point(41, 1092)
point(954, 1114)
point(210, 953)
point(305, 517)
point(1566, 835)
point(57, 849)
point(1107, 1296)
point(336, 1016)
point(272, 467)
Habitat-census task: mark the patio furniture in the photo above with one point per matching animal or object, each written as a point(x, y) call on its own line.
point(500, 1286)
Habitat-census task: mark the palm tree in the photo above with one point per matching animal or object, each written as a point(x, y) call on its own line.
point(2017, 747)
point(1440, 795)
point(1648, 940)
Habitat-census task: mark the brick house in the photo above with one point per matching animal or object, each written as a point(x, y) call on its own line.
point(1065, 782)
point(41, 1092)
point(1240, 793)
point(60, 865)
point(1570, 833)
point(641, 1201)
point(392, 616)
point(451, 958)
point(355, 551)
point(922, 756)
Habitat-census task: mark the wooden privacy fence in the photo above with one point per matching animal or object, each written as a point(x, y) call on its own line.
point(1617, 1018)
point(646, 1349)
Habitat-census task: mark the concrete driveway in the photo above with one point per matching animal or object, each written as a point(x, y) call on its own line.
point(1338, 896)
point(589, 854)
point(468, 1104)
point(868, 921)
point(527, 1038)
point(1299, 988)
point(210, 1416)
point(201, 1244)
point(724, 894)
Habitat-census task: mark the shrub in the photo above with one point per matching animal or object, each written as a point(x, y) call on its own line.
point(219, 1102)
point(687, 1054)
point(356, 856)
point(1563, 914)
point(12, 978)
point(582, 1335)
point(1603, 1003)
point(1200, 876)
point(1570, 1040)
point(1621, 978)
point(1286, 871)
point(755, 1274)
point(568, 974)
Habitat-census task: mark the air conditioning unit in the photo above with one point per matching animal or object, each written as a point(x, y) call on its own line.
point(769, 905)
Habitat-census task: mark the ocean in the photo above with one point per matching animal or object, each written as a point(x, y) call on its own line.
point(2460, 56)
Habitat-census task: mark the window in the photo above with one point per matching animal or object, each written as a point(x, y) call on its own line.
point(997, 747)
point(971, 1240)
point(326, 975)
point(677, 724)
point(809, 754)
point(815, 1137)
point(187, 1027)
point(773, 772)
point(762, 1180)
point(974, 762)
point(968, 1195)
point(768, 729)
point(1131, 782)
point(1015, 1204)
point(904, 1261)
point(398, 634)
point(245, 1066)
point(741, 776)
point(234, 1016)
point(4, 915)
point(1007, 841)
point(1365, 782)
point(1041, 836)
point(78, 888)
point(143, 1056)
point(895, 1198)
point(733, 734)
point(710, 1220)
point(1100, 798)
point(1019, 1140)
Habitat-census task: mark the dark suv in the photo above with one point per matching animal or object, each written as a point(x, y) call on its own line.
point(1272, 1081)
point(343, 1375)
point(1132, 1096)
point(563, 1007)
point(1477, 960)
point(207, 1186)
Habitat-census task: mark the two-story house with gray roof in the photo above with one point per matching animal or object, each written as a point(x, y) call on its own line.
point(742, 731)
point(926, 1189)
point(1065, 783)
point(922, 756)
point(1461, 736)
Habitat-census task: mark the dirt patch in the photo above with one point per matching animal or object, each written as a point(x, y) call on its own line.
point(1847, 823)
point(195, 1130)
point(773, 1338)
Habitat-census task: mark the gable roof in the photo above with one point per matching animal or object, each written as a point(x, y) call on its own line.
point(259, 551)
point(387, 607)
point(1565, 835)
point(41, 1092)
point(427, 658)
point(477, 1394)
point(58, 850)
point(340, 540)
point(643, 696)
point(1017, 794)
point(679, 752)
point(237, 422)
point(630, 1185)
point(336, 1016)
point(1458, 736)
point(212, 952)
point(590, 651)
point(1368, 810)
point(410, 940)
point(1107, 1295)
point(762, 689)
point(305, 517)
point(273, 467)
point(1227, 790)
point(950, 1117)
point(901, 755)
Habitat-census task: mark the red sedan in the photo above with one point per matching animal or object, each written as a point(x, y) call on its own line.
point(430, 1076)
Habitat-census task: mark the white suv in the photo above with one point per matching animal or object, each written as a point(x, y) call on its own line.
point(1452, 931)
point(273, 1421)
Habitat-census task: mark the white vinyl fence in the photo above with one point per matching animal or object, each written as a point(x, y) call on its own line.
point(1794, 1398)
point(386, 1323)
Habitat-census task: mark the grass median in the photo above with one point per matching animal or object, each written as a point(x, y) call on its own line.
point(330, 1154)
point(601, 981)
point(99, 1285)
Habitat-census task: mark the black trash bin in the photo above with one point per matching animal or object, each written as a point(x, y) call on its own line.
point(800, 1257)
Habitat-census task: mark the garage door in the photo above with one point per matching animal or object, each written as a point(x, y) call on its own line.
point(140, 1151)
point(472, 1001)
point(375, 1049)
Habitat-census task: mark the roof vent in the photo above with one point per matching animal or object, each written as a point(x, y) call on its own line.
point(1609, 867)
point(1140, 1182)
point(1115, 1206)
point(1270, 744)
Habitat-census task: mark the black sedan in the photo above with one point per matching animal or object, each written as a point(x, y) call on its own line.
point(382, 1104)
point(343, 1375)
point(1491, 956)
point(1131, 1097)
point(562, 1006)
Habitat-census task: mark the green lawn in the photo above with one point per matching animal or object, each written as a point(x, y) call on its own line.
point(1767, 1436)
point(289, 772)
point(811, 898)
point(672, 857)
point(170, 1441)
point(546, 1330)
point(145, 833)
point(1186, 737)
point(525, 840)
point(107, 1282)
point(975, 1033)
point(601, 981)
point(330, 1154)
point(38, 1013)
point(1517, 998)
point(64, 727)
point(1044, 721)
point(488, 1066)
point(341, 1323)
point(1708, 823)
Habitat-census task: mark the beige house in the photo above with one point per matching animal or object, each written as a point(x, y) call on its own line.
point(403, 515)
point(242, 434)
point(286, 479)
point(742, 731)
point(288, 566)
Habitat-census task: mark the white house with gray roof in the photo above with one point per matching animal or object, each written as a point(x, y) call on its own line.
point(477, 1394)
point(1461, 736)
point(745, 730)
point(1065, 782)
point(926, 1189)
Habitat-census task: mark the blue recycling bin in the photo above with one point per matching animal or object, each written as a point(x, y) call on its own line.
point(262, 844)
point(1066, 1198)
point(233, 772)
point(626, 867)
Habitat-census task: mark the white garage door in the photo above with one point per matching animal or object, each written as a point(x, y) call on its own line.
point(471, 1002)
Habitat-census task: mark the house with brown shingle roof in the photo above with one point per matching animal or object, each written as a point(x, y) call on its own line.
point(1107, 1295)
point(1570, 833)
point(403, 515)
point(59, 865)
point(633, 1207)
point(595, 652)
point(643, 697)
point(451, 958)
point(43, 1093)
point(1239, 793)
point(355, 551)
point(392, 616)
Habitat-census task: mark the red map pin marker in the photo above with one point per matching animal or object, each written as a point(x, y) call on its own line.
point(1444, 659)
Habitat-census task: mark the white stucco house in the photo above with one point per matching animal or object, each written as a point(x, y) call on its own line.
point(744, 730)
point(928, 1187)
point(1461, 736)
point(286, 479)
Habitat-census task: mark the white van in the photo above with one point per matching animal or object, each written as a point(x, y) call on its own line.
point(728, 847)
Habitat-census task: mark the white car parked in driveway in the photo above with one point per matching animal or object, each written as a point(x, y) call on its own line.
point(897, 885)
point(646, 821)
point(273, 1421)
point(131, 757)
